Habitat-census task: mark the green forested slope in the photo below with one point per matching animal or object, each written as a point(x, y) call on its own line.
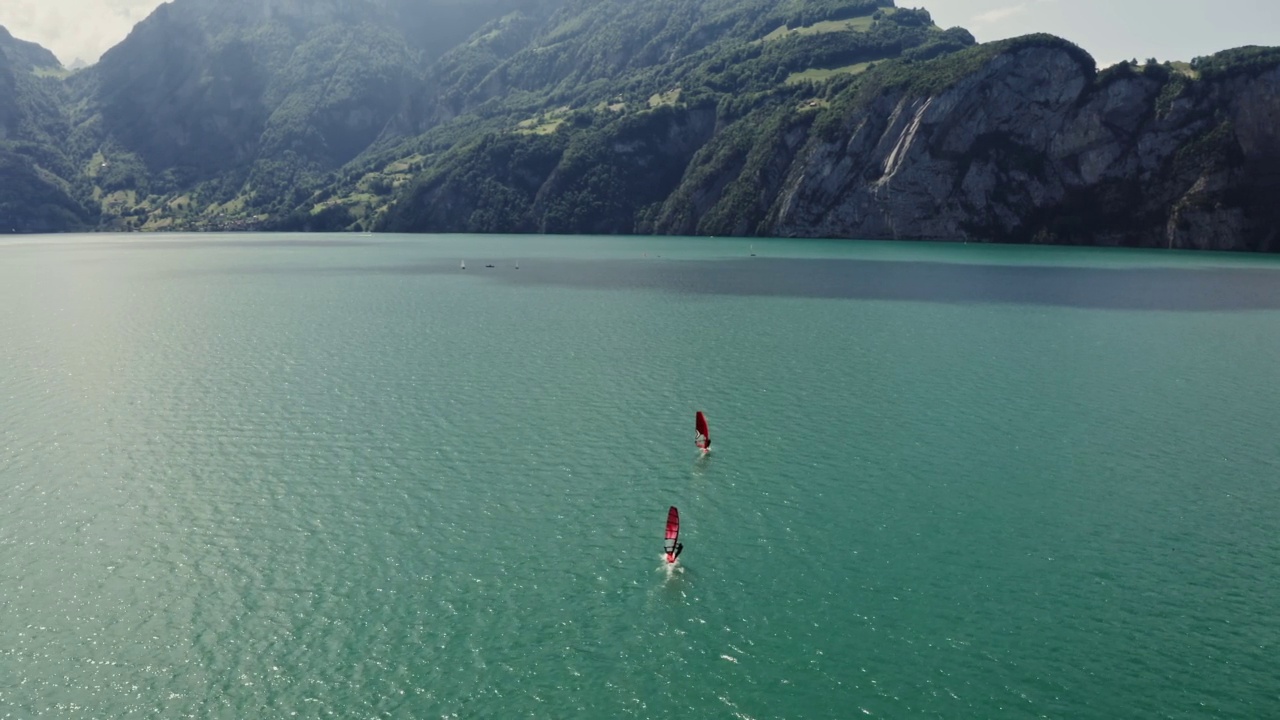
point(592, 126)
point(41, 187)
point(326, 114)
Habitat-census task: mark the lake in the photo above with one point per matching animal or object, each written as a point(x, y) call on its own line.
point(340, 476)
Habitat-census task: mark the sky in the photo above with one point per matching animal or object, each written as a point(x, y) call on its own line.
point(74, 28)
point(1111, 30)
point(1115, 30)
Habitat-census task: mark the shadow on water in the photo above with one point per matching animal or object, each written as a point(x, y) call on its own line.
point(1084, 287)
point(1128, 288)
point(226, 242)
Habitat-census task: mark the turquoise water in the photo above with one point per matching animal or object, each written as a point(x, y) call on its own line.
point(277, 476)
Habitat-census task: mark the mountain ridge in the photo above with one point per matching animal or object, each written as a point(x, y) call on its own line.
point(815, 118)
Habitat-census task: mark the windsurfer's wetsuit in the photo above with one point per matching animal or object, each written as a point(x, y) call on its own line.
point(676, 554)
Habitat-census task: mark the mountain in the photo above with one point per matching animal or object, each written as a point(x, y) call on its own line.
point(844, 118)
point(594, 124)
point(239, 100)
point(41, 189)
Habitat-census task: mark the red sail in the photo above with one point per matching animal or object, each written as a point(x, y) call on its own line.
point(704, 436)
point(673, 532)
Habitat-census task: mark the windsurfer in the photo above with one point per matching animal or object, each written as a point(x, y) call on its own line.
point(703, 437)
point(674, 552)
point(672, 545)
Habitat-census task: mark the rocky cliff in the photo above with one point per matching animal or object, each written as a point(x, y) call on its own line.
point(1034, 146)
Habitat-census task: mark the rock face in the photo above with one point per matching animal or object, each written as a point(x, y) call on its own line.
point(1022, 141)
point(1033, 147)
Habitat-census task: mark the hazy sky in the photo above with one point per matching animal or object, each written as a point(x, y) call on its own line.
point(1110, 30)
point(74, 28)
point(1113, 30)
